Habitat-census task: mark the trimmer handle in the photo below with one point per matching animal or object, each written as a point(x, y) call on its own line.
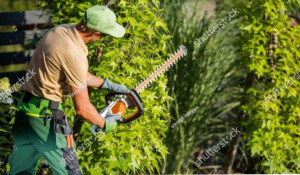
point(132, 100)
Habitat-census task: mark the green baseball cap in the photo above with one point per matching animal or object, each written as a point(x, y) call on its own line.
point(102, 19)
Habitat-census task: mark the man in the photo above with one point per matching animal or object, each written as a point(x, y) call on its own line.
point(61, 67)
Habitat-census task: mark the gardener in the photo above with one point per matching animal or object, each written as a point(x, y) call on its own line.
point(60, 62)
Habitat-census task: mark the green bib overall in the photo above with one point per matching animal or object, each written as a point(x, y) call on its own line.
point(42, 130)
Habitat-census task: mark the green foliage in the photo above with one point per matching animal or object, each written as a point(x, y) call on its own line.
point(6, 139)
point(137, 147)
point(5, 92)
point(273, 45)
point(209, 77)
point(18, 5)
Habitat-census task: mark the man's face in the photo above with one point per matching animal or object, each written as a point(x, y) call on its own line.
point(96, 36)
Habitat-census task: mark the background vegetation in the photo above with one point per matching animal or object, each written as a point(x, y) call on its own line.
point(212, 82)
point(229, 78)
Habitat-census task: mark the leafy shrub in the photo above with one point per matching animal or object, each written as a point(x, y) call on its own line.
point(6, 121)
point(273, 46)
point(136, 147)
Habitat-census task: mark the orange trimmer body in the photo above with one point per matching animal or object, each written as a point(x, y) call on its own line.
point(130, 100)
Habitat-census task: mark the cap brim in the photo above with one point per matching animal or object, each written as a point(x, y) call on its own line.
point(118, 31)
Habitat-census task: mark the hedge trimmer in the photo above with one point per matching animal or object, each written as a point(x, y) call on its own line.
point(119, 102)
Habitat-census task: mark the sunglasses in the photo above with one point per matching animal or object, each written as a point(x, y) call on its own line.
point(104, 35)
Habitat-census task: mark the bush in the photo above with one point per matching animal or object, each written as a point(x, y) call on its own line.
point(136, 147)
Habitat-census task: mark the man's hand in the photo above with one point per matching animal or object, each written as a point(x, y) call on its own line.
point(107, 84)
point(111, 122)
point(96, 82)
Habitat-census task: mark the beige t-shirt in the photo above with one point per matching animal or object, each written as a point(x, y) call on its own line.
point(59, 60)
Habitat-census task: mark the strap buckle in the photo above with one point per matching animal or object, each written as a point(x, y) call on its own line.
point(47, 116)
point(54, 105)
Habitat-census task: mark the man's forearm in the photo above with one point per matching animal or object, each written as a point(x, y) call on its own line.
point(90, 114)
point(93, 81)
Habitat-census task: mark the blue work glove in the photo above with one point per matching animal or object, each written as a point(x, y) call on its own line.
point(112, 87)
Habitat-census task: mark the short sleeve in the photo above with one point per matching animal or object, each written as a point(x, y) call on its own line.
point(75, 68)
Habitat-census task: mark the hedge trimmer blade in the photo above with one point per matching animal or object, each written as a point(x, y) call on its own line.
point(132, 99)
point(172, 60)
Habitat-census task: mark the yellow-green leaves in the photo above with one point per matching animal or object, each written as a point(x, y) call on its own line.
point(127, 60)
point(274, 48)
